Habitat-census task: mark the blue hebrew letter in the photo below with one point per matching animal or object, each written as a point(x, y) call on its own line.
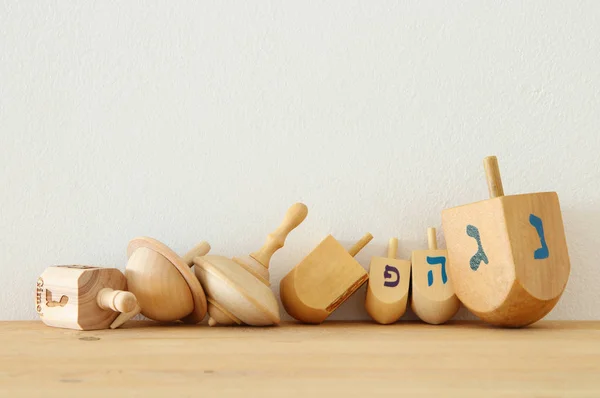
point(542, 252)
point(387, 274)
point(480, 256)
point(437, 260)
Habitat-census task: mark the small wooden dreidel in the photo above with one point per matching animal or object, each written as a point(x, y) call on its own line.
point(166, 289)
point(387, 289)
point(508, 255)
point(433, 299)
point(238, 290)
point(84, 298)
point(323, 280)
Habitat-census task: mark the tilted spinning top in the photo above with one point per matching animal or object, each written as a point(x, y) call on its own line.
point(163, 283)
point(238, 289)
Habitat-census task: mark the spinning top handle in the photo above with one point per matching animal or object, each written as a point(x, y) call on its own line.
point(275, 240)
point(119, 301)
point(393, 248)
point(116, 300)
point(432, 238)
point(358, 246)
point(492, 175)
point(199, 250)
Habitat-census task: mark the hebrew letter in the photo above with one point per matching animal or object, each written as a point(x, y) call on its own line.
point(542, 252)
point(480, 256)
point(387, 274)
point(437, 260)
point(49, 303)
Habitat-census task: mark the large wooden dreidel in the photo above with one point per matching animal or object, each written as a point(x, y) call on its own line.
point(238, 290)
point(84, 298)
point(387, 289)
point(323, 280)
point(508, 255)
point(433, 299)
point(166, 289)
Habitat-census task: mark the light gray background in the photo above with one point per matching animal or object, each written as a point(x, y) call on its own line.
point(206, 120)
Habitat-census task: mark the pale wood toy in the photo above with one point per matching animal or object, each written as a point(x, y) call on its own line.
point(165, 287)
point(323, 280)
point(238, 289)
point(84, 297)
point(387, 289)
point(433, 299)
point(508, 255)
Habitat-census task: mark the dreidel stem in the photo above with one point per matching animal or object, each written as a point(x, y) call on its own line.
point(492, 175)
point(199, 250)
point(432, 238)
point(393, 248)
point(116, 300)
point(358, 246)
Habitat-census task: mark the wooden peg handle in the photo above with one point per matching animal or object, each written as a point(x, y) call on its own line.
point(199, 250)
point(492, 175)
point(358, 246)
point(432, 238)
point(116, 300)
point(393, 248)
point(275, 240)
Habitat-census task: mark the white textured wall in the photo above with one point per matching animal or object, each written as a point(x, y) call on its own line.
point(206, 120)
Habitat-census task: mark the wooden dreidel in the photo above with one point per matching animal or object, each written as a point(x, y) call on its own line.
point(508, 255)
point(238, 289)
point(323, 280)
point(166, 289)
point(387, 289)
point(84, 297)
point(433, 299)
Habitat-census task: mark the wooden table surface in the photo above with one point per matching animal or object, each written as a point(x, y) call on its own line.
point(460, 359)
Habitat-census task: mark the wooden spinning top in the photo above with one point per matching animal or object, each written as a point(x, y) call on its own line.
point(84, 297)
point(163, 283)
point(238, 289)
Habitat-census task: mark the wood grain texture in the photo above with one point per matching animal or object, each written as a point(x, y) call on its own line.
point(159, 287)
point(166, 289)
point(458, 359)
point(82, 297)
point(232, 290)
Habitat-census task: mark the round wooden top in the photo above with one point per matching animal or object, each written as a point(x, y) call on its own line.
point(257, 294)
point(195, 288)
